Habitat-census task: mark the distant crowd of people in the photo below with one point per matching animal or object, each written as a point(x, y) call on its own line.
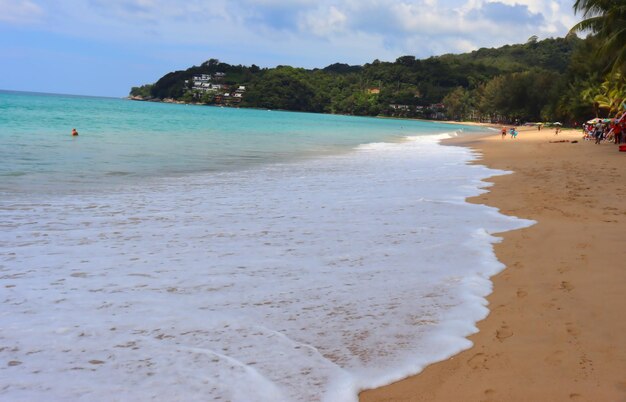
point(613, 130)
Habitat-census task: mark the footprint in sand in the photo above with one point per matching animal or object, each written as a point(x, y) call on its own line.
point(555, 358)
point(478, 361)
point(586, 363)
point(564, 269)
point(566, 286)
point(521, 293)
point(504, 332)
point(571, 329)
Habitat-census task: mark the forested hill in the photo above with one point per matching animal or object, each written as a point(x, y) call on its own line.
point(515, 82)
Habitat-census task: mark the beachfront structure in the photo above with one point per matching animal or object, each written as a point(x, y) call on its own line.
point(201, 80)
point(206, 82)
point(237, 96)
point(400, 107)
point(214, 84)
point(435, 111)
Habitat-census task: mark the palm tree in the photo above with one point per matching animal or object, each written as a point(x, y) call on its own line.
point(589, 95)
point(606, 19)
point(612, 94)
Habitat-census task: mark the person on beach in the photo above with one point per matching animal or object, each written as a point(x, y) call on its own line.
point(503, 132)
point(590, 132)
point(513, 132)
point(616, 127)
point(74, 132)
point(618, 130)
point(599, 131)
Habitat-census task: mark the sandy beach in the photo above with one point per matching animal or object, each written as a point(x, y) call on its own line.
point(556, 331)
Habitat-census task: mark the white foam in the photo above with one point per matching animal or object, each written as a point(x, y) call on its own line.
point(294, 282)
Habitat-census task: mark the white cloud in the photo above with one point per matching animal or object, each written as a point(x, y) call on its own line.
point(324, 22)
point(292, 30)
point(127, 42)
point(20, 11)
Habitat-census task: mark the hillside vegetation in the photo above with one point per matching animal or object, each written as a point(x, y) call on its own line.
point(536, 81)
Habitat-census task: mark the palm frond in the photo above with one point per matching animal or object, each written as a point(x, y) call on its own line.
point(607, 20)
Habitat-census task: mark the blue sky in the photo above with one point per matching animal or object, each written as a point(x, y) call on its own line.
point(103, 47)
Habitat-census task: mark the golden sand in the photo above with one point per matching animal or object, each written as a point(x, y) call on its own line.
point(557, 327)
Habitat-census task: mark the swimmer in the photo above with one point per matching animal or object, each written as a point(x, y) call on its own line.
point(74, 132)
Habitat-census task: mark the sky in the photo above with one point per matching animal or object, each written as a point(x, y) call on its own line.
point(104, 47)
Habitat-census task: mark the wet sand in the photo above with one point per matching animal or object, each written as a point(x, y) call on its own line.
point(557, 327)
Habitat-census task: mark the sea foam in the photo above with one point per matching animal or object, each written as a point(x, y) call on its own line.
point(300, 281)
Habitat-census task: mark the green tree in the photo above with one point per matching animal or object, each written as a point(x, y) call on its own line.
point(572, 106)
point(457, 103)
point(487, 84)
point(142, 91)
point(282, 88)
point(612, 94)
point(606, 19)
point(208, 98)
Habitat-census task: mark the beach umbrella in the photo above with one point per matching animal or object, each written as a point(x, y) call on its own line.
point(593, 121)
point(557, 123)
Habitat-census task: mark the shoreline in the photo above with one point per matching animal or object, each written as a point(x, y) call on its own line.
point(177, 102)
point(555, 324)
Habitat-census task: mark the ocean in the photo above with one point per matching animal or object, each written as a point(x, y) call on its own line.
point(191, 253)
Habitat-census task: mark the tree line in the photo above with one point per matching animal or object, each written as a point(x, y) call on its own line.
point(557, 79)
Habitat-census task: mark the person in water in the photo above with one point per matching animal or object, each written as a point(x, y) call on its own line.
point(74, 132)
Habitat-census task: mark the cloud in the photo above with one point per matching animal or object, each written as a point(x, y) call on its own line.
point(324, 22)
point(308, 33)
point(272, 16)
point(20, 11)
point(510, 14)
point(157, 36)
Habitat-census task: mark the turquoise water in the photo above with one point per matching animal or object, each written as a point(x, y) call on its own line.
point(175, 252)
point(122, 140)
